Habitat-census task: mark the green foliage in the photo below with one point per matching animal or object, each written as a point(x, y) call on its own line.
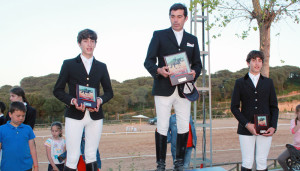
point(286, 79)
point(265, 13)
point(52, 108)
point(134, 96)
point(4, 96)
point(116, 104)
point(41, 85)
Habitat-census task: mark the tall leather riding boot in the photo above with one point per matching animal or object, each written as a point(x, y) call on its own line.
point(180, 151)
point(161, 150)
point(91, 166)
point(68, 169)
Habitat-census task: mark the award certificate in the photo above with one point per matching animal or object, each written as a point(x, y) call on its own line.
point(87, 96)
point(179, 68)
point(261, 123)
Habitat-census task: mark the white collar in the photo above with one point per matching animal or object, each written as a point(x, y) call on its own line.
point(254, 76)
point(85, 59)
point(178, 32)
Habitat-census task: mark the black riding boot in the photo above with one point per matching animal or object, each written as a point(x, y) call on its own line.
point(68, 169)
point(180, 151)
point(91, 166)
point(161, 149)
point(245, 169)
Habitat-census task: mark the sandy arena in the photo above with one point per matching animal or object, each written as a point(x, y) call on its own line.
point(136, 150)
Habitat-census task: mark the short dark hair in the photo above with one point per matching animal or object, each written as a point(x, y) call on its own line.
point(255, 54)
point(178, 6)
point(17, 106)
point(85, 34)
point(2, 107)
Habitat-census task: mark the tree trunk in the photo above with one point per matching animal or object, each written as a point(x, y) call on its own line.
point(264, 35)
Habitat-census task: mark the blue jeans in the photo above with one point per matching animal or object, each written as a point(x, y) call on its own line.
point(187, 157)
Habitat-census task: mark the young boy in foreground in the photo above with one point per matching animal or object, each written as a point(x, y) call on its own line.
point(17, 141)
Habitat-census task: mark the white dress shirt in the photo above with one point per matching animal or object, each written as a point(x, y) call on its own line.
point(87, 63)
point(254, 78)
point(178, 35)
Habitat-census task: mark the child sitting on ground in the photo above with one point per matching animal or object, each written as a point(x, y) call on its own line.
point(55, 146)
point(17, 141)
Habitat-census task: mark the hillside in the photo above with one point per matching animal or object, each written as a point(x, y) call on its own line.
point(135, 95)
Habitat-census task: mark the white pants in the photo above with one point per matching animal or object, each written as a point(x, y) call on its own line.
point(182, 107)
point(73, 131)
point(261, 145)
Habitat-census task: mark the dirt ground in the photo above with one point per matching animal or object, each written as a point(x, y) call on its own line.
point(288, 106)
point(121, 150)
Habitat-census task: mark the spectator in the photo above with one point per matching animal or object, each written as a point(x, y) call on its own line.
point(55, 146)
point(17, 142)
point(18, 94)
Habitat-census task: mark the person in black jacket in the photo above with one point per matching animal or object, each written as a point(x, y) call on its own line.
point(18, 94)
point(254, 94)
point(2, 109)
point(168, 42)
point(83, 70)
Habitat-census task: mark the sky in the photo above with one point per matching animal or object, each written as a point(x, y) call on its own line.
point(36, 36)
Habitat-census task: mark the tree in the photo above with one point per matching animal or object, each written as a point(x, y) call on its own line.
point(139, 96)
point(53, 108)
point(265, 12)
point(116, 105)
point(4, 95)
